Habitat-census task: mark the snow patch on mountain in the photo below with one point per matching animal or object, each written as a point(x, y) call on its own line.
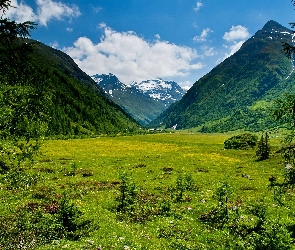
point(160, 89)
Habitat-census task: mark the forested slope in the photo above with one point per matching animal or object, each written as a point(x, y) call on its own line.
point(238, 93)
point(77, 105)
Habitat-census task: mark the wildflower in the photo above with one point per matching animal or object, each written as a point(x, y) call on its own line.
point(288, 166)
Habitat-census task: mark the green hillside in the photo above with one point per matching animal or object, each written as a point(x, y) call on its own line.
point(144, 109)
point(238, 93)
point(77, 105)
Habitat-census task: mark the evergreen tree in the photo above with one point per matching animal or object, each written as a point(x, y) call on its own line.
point(263, 148)
point(22, 94)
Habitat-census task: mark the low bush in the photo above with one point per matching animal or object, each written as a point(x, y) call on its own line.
point(35, 224)
point(243, 141)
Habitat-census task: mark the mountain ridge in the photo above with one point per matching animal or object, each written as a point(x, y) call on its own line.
point(222, 100)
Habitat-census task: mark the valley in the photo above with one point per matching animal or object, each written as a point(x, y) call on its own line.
point(89, 162)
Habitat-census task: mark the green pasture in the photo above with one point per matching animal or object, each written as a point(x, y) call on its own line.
point(88, 170)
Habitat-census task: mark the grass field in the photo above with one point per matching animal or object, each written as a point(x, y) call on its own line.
point(175, 177)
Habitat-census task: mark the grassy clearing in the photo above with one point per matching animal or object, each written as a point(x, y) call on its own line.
point(88, 170)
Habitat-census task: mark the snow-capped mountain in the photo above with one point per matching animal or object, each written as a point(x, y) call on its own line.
point(144, 101)
point(109, 83)
point(167, 91)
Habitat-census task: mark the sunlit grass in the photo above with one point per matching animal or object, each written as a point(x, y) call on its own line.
point(88, 169)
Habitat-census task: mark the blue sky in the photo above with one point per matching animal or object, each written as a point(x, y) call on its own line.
point(136, 40)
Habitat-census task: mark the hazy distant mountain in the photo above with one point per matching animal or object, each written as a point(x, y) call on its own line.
point(143, 101)
point(238, 93)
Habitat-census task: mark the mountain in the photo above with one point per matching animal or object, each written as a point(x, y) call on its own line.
point(78, 106)
point(144, 101)
point(238, 93)
point(158, 89)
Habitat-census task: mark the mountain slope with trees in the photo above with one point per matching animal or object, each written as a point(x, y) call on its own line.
point(238, 93)
point(77, 105)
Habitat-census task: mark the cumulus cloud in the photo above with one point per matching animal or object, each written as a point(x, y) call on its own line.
point(198, 6)
point(233, 48)
point(204, 35)
point(130, 57)
point(235, 39)
point(208, 51)
point(186, 85)
point(46, 10)
point(236, 33)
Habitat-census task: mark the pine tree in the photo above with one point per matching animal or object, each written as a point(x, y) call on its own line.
point(263, 148)
point(23, 118)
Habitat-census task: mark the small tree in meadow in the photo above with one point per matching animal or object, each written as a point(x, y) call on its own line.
point(263, 148)
point(128, 193)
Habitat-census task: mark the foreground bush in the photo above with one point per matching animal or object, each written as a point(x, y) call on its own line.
point(36, 224)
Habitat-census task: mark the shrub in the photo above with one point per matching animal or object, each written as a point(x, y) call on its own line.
point(128, 193)
point(243, 141)
point(183, 183)
point(35, 224)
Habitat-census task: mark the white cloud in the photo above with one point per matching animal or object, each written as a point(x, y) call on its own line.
point(198, 6)
point(233, 49)
point(46, 11)
point(236, 33)
point(21, 12)
point(204, 35)
point(96, 9)
point(157, 36)
point(54, 45)
point(186, 85)
point(235, 39)
point(208, 51)
point(130, 57)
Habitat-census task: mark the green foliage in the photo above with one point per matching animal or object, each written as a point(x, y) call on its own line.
point(128, 193)
point(219, 216)
point(183, 183)
point(263, 148)
point(242, 141)
point(284, 110)
point(36, 224)
point(23, 96)
point(19, 179)
point(139, 206)
point(273, 236)
point(252, 226)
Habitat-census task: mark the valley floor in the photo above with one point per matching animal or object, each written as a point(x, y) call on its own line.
point(158, 191)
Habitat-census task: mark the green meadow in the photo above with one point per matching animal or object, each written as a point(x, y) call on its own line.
point(181, 191)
